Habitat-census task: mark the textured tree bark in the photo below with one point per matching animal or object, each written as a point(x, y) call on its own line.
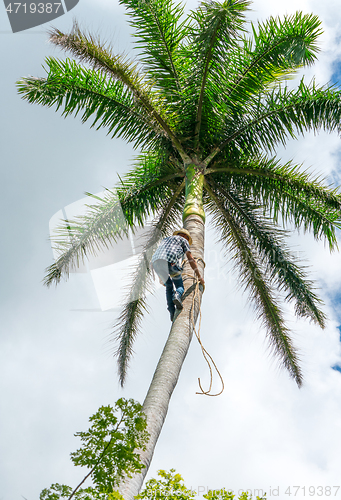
point(167, 372)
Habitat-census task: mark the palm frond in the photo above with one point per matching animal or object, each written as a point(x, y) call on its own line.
point(286, 191)
point(215, 31)
point(128, 324)
point(141, 189)
point(274, 117)
point(129, 205)
point(279, 48)
point(279, 263)
point(88, 234)
point(75, 89)
point(253, 279)
point(159, 32)
point(90, 50)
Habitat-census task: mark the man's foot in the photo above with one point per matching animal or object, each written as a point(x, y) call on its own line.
point(177, 300)
point(171, 316)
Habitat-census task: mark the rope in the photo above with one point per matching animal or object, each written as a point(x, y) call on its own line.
point(208, 358)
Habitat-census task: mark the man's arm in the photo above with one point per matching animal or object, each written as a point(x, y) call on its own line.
point(194, 266)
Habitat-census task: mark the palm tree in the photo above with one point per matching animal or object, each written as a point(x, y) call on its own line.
point(207, 105)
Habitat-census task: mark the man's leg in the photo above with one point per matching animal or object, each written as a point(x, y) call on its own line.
point(161, 269)
point(169, 297)
point(179, 290)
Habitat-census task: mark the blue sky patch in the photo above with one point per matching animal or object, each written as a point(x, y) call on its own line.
point(335, 79)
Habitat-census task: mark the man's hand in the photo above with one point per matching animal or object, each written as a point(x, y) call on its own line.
point(194, 266)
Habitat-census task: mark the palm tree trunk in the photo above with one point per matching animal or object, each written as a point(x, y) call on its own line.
point(167, 372)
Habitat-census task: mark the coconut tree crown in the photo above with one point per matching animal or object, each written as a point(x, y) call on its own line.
point(207, 105)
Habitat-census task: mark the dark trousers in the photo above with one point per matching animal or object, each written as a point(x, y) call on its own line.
point(170, 275)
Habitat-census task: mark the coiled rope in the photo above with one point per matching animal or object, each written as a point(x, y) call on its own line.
point(208, 358)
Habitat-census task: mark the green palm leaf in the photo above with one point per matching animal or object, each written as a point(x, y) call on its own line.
point(253, 279)
point(109, 104)
point(279, 47)
point(128, 206)
point(276, 116)
point(90, 50)
point(287, 192)
point(275, 256)
point(159, 33)
point(215, 31)
point(85, 235)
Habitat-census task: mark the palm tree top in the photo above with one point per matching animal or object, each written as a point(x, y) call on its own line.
point(206, 102)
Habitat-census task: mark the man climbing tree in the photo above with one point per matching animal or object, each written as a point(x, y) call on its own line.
point(168, 262)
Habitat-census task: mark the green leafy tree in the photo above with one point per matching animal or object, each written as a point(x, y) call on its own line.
point(170, 486)
point(228, 495)
point(207, 105)
point(109, 449)
point(61, 491)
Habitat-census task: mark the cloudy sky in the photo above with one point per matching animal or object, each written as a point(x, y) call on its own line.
point(55, 355)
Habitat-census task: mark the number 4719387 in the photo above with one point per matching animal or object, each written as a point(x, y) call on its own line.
point(33, 8)
point(313, 490)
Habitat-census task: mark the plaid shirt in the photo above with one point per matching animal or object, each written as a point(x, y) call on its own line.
point(172, 249)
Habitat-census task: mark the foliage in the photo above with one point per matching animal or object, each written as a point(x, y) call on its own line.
point(228, 495)
point(203, 94)
point(110, 442)
point(61, 491)
point(171, 486)
point(108, 450)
